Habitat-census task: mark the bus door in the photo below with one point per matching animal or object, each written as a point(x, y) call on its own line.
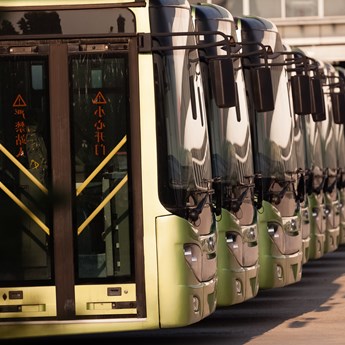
point(66, 202)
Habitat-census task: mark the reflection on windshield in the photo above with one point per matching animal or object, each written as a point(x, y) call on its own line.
point(181, 116)
point(232, 156)
point(328, 139)
point(275, 130)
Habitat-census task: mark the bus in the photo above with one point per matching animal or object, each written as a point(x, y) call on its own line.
point(280, 235)
point(309, 126)
point(106, 177)
point(314, 186)
point(232, 163)
point(340, 138)
point(309, 150)
point(302, 186)
point(329, 153)
point(297, 67)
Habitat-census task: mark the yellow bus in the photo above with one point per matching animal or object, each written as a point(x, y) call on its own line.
point(106, 181)
point(314, 187)
point(340, 138)
point(329, 153)
point(280, 235)
point(308, 148)
point(232, 163)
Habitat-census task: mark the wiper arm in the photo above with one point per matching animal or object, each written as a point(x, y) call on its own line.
point(302, 184)
point(218, 190)
point(341, 179)
point(276, 197)
point(230, 200)
point(193, 213)
point(235, 203)
point(321, 186)
point(326, 187)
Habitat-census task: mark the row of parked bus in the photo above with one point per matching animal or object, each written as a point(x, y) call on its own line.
point(278, 153)
point(158, 160)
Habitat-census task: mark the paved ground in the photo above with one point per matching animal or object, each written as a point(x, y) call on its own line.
point(316, 311)
point(311, 311)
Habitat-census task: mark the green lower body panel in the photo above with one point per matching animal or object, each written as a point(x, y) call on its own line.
point(280, 249)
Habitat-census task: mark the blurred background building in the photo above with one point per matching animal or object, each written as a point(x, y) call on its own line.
point(316, 26)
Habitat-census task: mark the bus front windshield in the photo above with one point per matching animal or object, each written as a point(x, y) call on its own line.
point(314, 153)
point(274, 137)
point(184, 166)
point(277, 155)
point(232, 155)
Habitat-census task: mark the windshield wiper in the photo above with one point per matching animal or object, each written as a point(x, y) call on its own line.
point(193, 213)
point(277, 196)
point(311, 188)
point(229, 201)
point(235, 203)
point(328, 188)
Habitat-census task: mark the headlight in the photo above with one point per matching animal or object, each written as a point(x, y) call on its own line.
point(230, 238)
point(292, 226)
point(315, 212)
point(250, 234)
point(326, 211)
point(193, 255)
point(305, 217)
point(272, 229)
point(234, 243)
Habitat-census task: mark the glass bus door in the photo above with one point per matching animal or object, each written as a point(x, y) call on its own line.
point(66, 246)
point(26, 247)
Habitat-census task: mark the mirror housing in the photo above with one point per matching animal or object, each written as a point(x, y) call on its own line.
point(338, 106)
point(318, 110)
point(261, 81)
point(221, 72)
point(300, 88)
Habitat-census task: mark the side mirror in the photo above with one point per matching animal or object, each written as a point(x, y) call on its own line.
point(261, 80)
point(318, 110)
point(221, 72)
point(300, 87)
point(338, 106)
